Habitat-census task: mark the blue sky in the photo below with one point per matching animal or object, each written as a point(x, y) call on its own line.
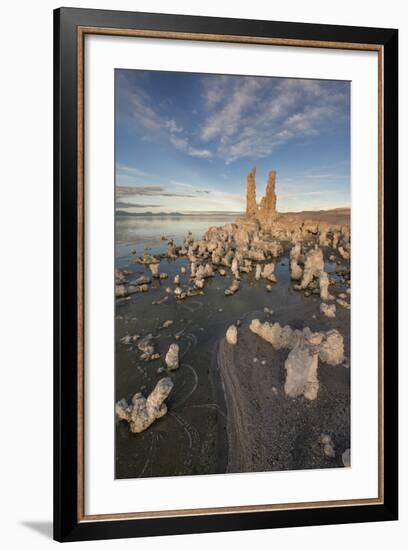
point(185, 142)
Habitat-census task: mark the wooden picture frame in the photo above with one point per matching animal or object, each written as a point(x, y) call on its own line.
point(70, 27)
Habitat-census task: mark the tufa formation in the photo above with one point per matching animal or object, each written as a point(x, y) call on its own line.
point(265, 212)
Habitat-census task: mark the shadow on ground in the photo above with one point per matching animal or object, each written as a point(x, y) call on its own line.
point(44, 528)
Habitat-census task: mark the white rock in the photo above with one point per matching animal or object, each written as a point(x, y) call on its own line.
point(279, 337)
point(295, 270)
point(235, 268)
point(328, 309)
point(142, 412)
point(324, 286)
point(328, 445)
point(154, 268)
point(234, 286)
point(314, 264)
point(267, 272)
point(301, 367)
point(172, 357)
point(199, 283)
point(343, 303)
point(329, 451)
point(232, 335)
point(332, 348)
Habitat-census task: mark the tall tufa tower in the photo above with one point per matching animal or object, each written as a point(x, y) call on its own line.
point(266, 211)
point(252, 207)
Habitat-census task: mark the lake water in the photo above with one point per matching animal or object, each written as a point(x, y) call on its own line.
point(137, 233)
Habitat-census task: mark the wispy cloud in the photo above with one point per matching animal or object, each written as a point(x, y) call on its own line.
point(251, 117)
point(157, 125)
point(182, 144)
point(129, 170)
point(196, 199)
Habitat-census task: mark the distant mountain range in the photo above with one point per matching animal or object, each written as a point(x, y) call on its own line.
point(124, 213)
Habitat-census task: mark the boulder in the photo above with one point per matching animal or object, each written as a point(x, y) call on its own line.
point(314, 264)
point(232, 335)
point(324, 286)
point(172, 357)
point(328, 309)
point(301, 366)
point(332, 348)
point(232, 289)
point(142, 412)
point(154, 268)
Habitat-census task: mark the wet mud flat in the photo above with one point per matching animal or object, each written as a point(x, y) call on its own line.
point(226, 412)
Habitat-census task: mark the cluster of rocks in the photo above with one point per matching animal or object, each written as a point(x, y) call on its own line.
point(142, 412)
point(124, 287)
point(306, 347)
point(308, 269)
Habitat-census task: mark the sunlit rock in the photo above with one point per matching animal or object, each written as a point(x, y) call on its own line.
point(142, 412)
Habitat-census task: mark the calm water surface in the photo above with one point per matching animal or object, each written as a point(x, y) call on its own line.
point(137, 233)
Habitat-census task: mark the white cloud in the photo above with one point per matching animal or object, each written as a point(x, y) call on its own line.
point(194, 199)
point(160, 127)
point(226, 120)
point(182, 144)
point(250, 116)
point(129, 170)
point(171, 125)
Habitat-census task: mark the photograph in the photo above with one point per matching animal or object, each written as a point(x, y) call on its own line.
point(232, 273)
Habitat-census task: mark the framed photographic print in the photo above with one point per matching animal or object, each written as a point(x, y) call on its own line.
point(225, 274)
